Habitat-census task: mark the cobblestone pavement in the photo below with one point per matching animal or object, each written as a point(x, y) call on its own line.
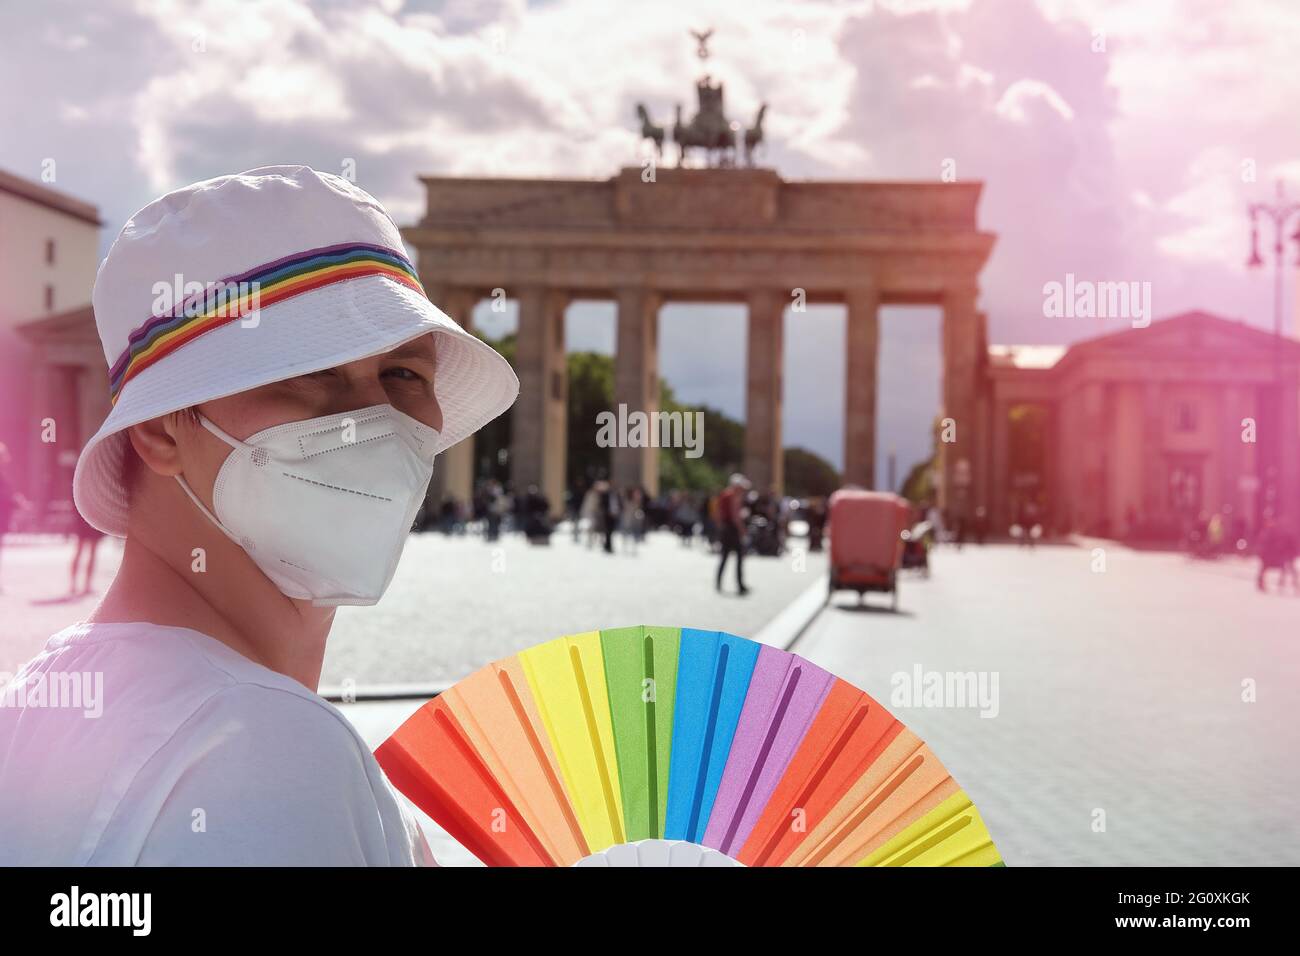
point(456, 603)
point(1119, 691)
point(34, 598)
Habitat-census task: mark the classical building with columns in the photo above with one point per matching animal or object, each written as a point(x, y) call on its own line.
point(53, 385)
point(1141, 432)
point(746, 235)
point(1137, 432)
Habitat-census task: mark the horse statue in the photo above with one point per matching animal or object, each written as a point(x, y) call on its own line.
point(650, 131)
point(709, 128)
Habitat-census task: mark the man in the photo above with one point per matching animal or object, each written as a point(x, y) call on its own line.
point(272, 436)
point(1277, 549)
point(731, 528)
point(10, 500)
point(609, 512)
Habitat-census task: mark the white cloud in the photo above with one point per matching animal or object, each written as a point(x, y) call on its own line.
point(1021, 99)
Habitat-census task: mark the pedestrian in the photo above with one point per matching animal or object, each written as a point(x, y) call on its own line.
point(590, 514)
point(731, 528)
point(632, 520)
point(264, 460)
point(87, 538)
point(575, 502)
point(609, 514)
point(1214, 534)
point(816, 523)
point(497, 506)
point(684, 518)
point(10, 500)
point(1277, 550)
point(535, 516)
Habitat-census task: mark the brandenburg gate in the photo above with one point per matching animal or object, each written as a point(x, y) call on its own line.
point(710, 235)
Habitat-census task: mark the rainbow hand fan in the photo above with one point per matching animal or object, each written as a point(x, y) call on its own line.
point(641, 735)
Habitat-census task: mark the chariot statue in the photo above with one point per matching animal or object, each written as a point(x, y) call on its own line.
point(709, 129)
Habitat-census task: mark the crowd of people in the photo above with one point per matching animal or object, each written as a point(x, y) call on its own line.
point(1225, 532)
point(736, 520)
point(86, 537)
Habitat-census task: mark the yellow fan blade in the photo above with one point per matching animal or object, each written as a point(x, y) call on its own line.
point(952, 834)
point(567, 677)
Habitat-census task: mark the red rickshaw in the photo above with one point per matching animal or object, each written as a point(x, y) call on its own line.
point(866, 529)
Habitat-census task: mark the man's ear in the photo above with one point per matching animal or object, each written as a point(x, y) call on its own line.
point(155, 442)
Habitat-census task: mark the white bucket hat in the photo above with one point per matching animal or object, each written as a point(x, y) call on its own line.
point(296, 271)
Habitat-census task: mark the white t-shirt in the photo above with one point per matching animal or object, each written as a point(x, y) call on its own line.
point(134, 744)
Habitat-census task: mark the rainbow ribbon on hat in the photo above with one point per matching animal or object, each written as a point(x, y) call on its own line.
point(235, 297)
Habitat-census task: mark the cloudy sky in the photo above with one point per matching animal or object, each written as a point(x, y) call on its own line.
point(1116, 140)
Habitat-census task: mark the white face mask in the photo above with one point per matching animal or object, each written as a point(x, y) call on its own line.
point(324, 506)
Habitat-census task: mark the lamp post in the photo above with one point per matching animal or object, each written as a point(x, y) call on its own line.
point(1279, 213)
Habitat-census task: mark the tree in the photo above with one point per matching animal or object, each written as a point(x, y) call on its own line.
point(808, 475)
point(591, 391)
point(492, 441)
point(918, 486)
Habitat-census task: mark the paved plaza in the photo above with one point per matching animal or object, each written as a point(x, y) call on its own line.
point(457, 603)
point(1119, 692)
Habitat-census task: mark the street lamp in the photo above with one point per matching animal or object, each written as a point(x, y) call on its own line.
point(1278, 213)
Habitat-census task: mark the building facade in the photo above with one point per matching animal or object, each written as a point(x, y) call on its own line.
point(1138, 433)
point(50, 399)
point(1144, 432)
point(707, 235)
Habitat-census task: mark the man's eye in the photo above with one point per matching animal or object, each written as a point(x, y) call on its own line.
point(403, 373)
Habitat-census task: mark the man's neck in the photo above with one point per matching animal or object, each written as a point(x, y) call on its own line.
point(230, 601)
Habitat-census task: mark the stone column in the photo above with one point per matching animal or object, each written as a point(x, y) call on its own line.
point(539, 429)
point(1155, 496)
point(861, 343)
point(1288, 445)
point(764, 463)
point(1227, 445)
point(981, 462)
point(1054, 515)
point(41, 456)
point(636, 384)
point(999, 487)
point(961, 369)
point(453, 472)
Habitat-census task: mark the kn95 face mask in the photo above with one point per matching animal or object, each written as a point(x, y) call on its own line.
point(324, 506)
